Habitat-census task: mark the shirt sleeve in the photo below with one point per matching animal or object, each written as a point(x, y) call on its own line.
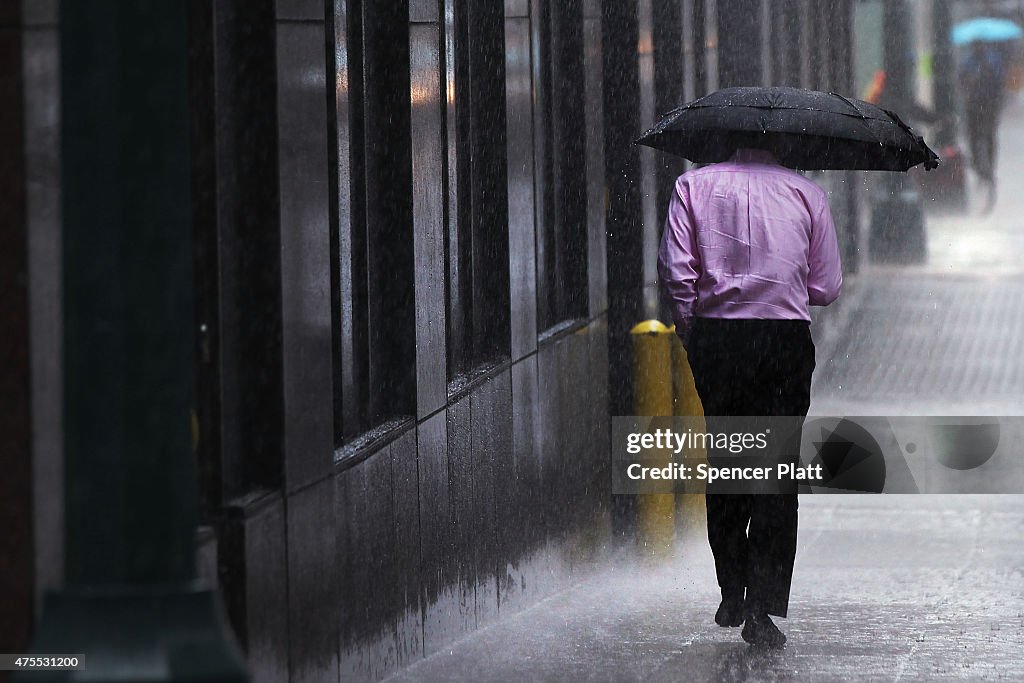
point(678, 260)
point(825, 276)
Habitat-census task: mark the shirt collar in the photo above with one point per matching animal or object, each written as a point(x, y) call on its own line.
point(761, 156)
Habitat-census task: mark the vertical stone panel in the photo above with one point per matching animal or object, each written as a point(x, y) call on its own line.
point(600, 425)
point(406, 513)
point(423, 11)
point(41, 79)
point(517, 8)
point(484, 453)
point(346, 208)
point(462, 512)
point(805, 41)
point(786, 32)
point(576, 398)
point(507, 513)
point(305, 252)
point(648, 110)
point(621, 92)
point(352, 652)
point(597, 268)
point(521, 576)
point(254, 574)
point(428, 216)
point(552, 437)
point(597, 479)
point(438, 561)
point(558, 457)
point(365, 498)
point(739, 39)
point(300, 10)
point(313, 584)
point(520, 151)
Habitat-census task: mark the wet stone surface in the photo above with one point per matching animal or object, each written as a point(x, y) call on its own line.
point(886, 588)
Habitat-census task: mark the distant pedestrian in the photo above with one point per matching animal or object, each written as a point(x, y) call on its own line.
point(748, 246)
point(983, 77)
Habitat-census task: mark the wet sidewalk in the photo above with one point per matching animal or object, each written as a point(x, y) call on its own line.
point(927, 343)
point(887, 588)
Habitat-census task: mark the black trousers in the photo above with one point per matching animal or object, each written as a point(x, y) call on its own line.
point(753, 367)
point(982, 124)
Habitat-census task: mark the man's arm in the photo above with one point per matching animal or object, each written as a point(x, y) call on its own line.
point(825, 277)
point(678, 261)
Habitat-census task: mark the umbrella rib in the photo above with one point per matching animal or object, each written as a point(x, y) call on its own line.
point(851, 103)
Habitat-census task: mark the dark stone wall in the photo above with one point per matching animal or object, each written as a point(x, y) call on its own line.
point(467, 515)
point(369, 556)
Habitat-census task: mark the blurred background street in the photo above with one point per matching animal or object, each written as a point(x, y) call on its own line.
point(946, 336)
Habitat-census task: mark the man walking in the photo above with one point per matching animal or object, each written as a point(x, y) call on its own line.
point(748, 246)
point(983, 74)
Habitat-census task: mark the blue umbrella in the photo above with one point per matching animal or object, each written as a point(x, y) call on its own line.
point(985, 29)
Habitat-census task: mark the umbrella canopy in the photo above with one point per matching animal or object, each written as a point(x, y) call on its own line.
point(986, 29)
point(805, 129)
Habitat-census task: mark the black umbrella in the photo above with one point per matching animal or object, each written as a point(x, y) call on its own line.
point(805, 129)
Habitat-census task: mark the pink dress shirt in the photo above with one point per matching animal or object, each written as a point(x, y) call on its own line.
point(748, 238)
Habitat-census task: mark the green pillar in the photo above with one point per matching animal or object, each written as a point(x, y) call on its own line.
point(131, 604)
